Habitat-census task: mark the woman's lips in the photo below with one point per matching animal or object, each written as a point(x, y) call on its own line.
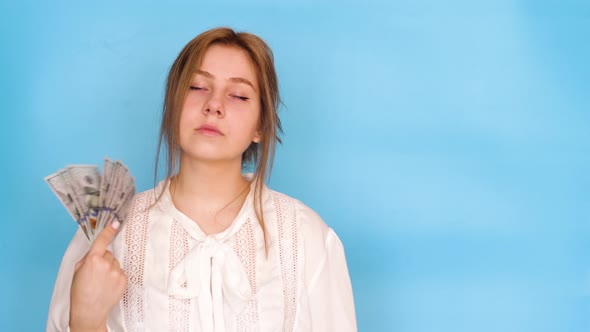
point(209, 130)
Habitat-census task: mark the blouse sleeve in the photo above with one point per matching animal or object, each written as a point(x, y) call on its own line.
point(329, 290)
point(59, 308)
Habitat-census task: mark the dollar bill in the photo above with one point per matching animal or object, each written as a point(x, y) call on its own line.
point(86, 185)
point(94, 201)
point(61, 184)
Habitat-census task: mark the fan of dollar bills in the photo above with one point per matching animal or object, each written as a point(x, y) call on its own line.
point(94, 201)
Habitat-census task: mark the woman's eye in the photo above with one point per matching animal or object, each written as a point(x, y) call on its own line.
point(240, 97)
point(196, 88)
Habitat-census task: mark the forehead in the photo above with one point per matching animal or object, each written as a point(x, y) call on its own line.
point(225, 62)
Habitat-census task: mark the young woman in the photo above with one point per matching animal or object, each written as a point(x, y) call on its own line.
point(211, 248)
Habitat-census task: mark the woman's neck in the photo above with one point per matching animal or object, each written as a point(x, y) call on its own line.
point(213, 185)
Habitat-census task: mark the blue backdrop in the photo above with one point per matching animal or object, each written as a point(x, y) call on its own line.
point(446, 142)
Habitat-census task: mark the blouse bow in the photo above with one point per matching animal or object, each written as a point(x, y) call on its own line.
point(211, 272)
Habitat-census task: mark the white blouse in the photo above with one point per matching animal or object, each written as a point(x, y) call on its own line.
point(180, 279)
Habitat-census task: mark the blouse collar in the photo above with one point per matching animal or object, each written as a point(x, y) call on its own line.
point(193, 228)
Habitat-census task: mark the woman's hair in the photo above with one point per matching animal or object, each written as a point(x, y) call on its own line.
point(260, 155)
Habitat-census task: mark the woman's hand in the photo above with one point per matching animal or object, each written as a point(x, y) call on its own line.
point(97, 286)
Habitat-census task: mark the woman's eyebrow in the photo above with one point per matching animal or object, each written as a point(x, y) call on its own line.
point(232, 79)
point(242, 80)
point(205, 73)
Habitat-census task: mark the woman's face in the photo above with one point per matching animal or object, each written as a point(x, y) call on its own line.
point(219, 118)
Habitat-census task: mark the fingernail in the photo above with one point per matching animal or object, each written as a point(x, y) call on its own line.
point(115, 224)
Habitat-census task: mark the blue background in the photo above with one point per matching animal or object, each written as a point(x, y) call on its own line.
point(446, 142)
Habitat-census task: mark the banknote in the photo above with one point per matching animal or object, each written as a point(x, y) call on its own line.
point(86, 186)
point(94, 200)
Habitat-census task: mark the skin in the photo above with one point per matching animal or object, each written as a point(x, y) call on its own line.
point(209, 187)
point(90, 304)
point(210, 172)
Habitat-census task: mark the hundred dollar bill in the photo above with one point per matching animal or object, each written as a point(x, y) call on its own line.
point(94, 201)
point(60, 183)
point(86, 185)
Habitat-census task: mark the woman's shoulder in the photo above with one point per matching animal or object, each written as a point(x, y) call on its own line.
point(143, 201)
point(141, 206)
point(137, 219)
point(147, 196)
point(301, 216)
point(315, 239)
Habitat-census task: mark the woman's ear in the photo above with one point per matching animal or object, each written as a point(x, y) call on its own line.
point(257, 137)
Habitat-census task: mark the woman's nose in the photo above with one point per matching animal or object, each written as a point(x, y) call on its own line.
point(214, 105)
